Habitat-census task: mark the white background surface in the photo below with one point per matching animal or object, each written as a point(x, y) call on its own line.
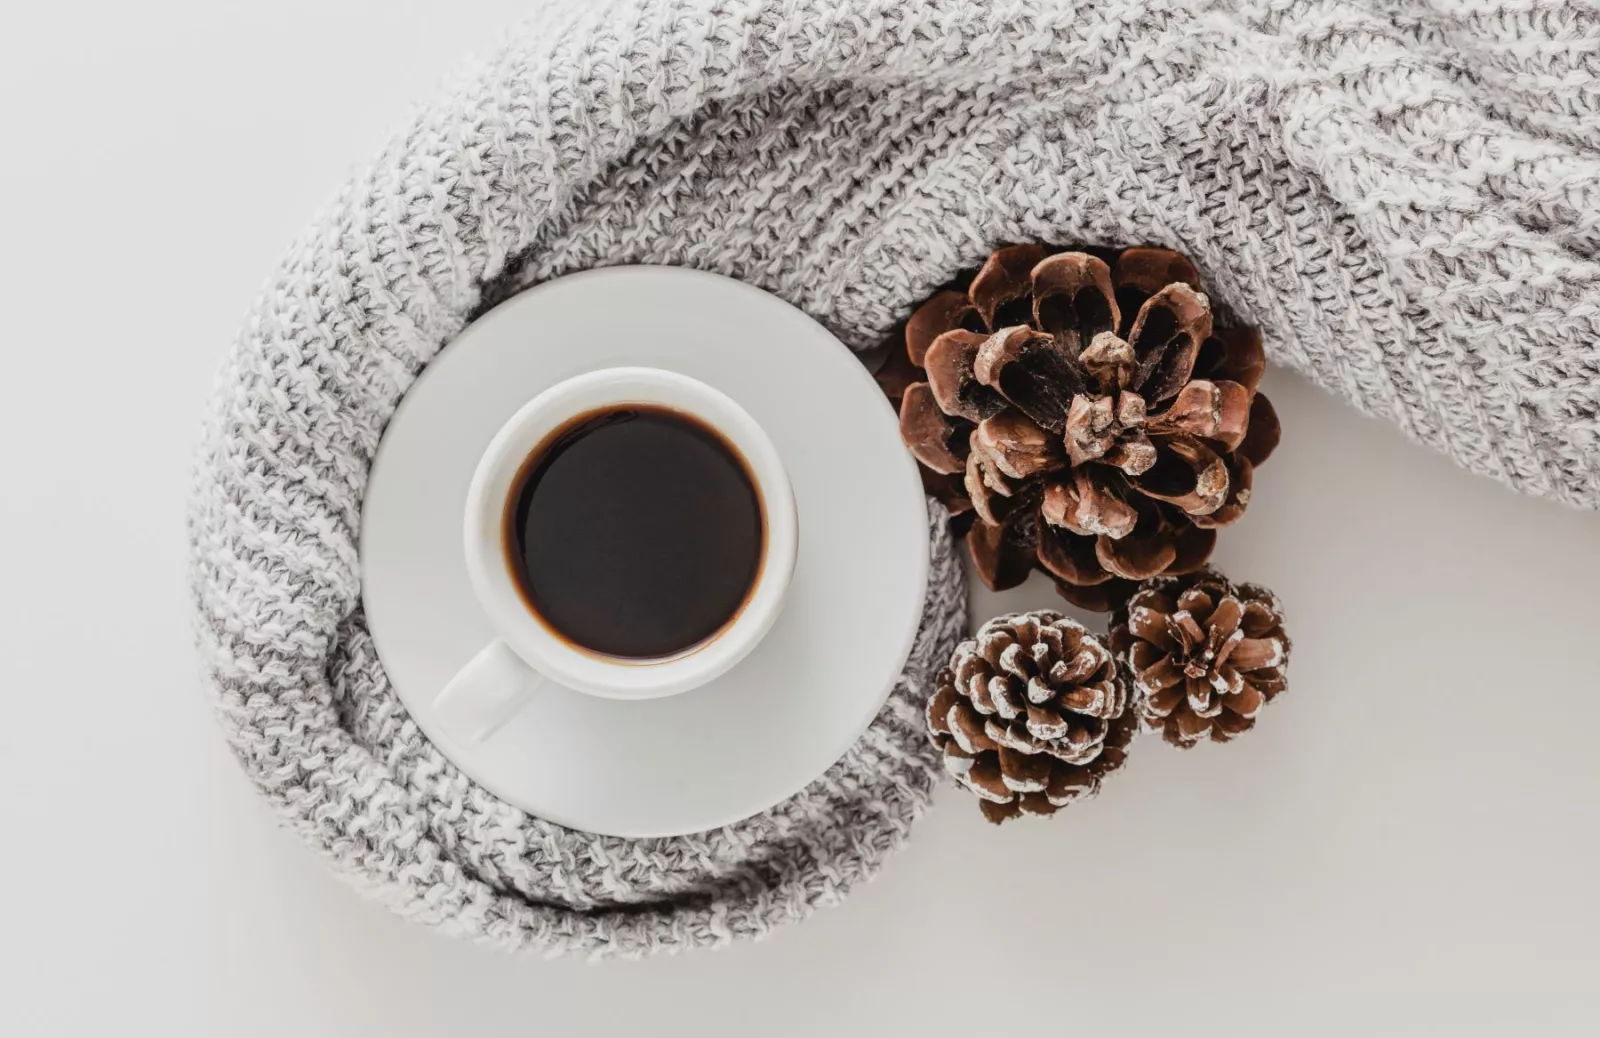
point(1406, 845)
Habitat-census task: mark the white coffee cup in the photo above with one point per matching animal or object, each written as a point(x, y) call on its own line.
point(498, 681)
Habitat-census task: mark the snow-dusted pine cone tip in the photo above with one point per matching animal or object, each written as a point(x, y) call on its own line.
point(1030, 715)
point(1204, 655)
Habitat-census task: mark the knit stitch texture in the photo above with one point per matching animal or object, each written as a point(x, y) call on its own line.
point(1404, 196)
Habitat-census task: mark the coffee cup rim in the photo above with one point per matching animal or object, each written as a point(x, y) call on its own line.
point(496, 587)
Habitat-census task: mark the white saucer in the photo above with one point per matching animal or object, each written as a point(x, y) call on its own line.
point(774, 723)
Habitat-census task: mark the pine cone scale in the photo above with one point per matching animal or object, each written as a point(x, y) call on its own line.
point(1073, 299)
point(1258, 653)
point(1248, 701)
point(1029, 370)
point(956, 388)
point(1224, 621)
point(1151, 626)
point(1016, 446)
point(1023, 772)
point(970, 731)
point(1262, 437)
point(1166, 337)
point(945, 311)
point(1218, 411)
point(1148, 270)
point(938, 709)
point(1187, 474)
point(1139, 555)
point(1091, 702)
point(936, 441)
point(1004, 278)
point(1083, 665)
point(985, 780)
point(1046, 725)
point(1157, 675)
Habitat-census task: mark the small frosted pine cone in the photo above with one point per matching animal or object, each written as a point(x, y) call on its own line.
point(1204, 655)
point(1031, 713)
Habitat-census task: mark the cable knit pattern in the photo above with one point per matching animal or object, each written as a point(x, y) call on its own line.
point(1402, 195)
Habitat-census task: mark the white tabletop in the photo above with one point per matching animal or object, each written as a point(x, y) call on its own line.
point(1406, 845)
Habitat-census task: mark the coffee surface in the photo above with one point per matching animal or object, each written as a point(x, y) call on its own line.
point(635, 532)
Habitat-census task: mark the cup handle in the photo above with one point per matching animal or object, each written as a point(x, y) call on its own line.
point(485, 694)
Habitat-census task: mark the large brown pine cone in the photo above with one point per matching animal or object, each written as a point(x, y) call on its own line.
point(1030, 714)
point(1204, 654)
point(1084, 405)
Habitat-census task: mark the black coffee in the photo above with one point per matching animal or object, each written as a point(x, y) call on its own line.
point(635, 532)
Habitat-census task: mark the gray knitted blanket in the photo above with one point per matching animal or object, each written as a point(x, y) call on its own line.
point(1404, 197)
